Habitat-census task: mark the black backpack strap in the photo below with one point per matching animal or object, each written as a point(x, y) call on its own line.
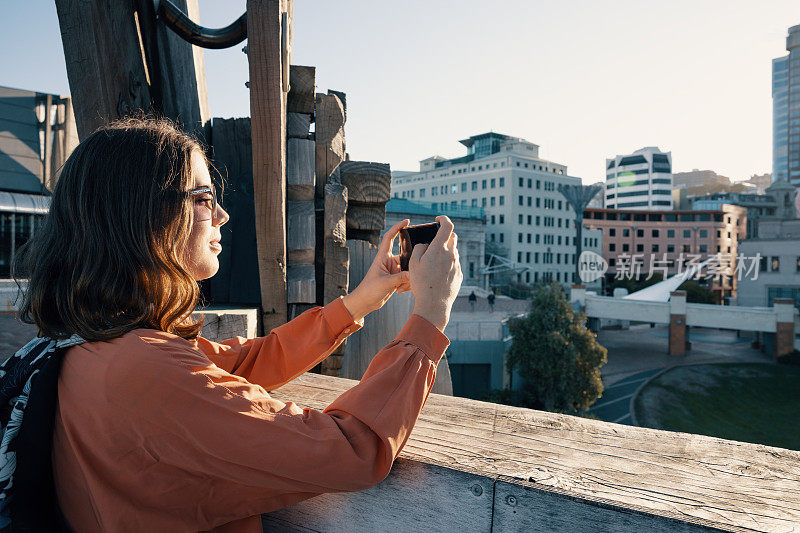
point(34, 506)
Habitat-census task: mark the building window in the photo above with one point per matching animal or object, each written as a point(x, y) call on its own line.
point(762, 265)
point(797, 267)
point(519, 218)
point(703, 233)
point(502, 217)
point(492, 183)
point(474, 202)
point(612, 232)
point(687, 233)
point(536, 240)
point(538, 183)
point(483, 202)
point(502, 182)
point(537, 220)
point(521, 182)
point(520, 200)
point(483, 184)
point(529, 219)
point(640, 233)
point(612, 247)
point(502, 237)
point(464, 187)
point(491, 201)
point(640, 247)
point(529, 238)
point(671, 233)
point(655, 233)
point(703, 248)
point(626, 232)
point(529, 201)
point(502, 200)
point(492, 219)
point(537, 201)
point(687, 248)
point(474, 185)
point(519, 237)
point(775, 263)
point(625, 247)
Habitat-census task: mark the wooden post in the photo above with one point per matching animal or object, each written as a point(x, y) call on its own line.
point(268, 27)
point(107, 77)
point(47, 170)
point(116, 64)
point(237, 281)
point(176, 69)
point(329, 135)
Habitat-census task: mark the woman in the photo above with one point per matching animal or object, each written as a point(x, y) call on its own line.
point(158, 428)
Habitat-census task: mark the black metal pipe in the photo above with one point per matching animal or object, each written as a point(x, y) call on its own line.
point(180, 23)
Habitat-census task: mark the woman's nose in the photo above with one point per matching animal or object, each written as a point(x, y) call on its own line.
point(221, 216)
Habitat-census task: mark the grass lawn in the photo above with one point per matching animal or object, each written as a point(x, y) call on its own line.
point(748, 402)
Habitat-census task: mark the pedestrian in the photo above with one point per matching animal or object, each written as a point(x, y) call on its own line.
point(157, 428)
point(491, 301)
point(472, 300)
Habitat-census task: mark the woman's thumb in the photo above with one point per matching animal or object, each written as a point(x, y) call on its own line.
point(399, 278)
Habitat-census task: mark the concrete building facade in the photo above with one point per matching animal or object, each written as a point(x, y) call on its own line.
point(641, 180)
point(527, 220)
point(468, 223)
point(778, 276)
point(666, 242)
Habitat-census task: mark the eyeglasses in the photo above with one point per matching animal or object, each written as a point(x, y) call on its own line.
point(207, 190)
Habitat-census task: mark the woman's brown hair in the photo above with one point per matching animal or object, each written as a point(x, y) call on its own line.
point(108, 258)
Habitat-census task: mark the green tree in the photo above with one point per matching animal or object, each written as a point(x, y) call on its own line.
point(556, 355)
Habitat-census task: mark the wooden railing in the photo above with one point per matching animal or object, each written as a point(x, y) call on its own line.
point(477, 466)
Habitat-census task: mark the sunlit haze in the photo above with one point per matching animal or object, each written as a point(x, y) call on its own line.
point(584, 80)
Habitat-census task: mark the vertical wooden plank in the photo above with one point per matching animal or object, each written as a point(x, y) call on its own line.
point(47, 170)
point(103, 54)
point(268, 125)
point(329, 136)
point(237, 280)
point(176, 69)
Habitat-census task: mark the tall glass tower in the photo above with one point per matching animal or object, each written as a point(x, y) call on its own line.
point(780, 118)
point(786, 111)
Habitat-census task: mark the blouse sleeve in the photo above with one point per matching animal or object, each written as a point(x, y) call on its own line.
point(260, 454)
point(288, 351)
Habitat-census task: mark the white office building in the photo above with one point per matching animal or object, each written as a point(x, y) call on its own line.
point(641, 180)
point(527, 220)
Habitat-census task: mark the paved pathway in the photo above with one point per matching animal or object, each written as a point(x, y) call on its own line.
point(614, 405)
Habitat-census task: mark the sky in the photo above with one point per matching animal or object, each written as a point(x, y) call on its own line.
point(583, 79)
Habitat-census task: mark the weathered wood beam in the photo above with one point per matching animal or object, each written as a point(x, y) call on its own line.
point(366, 182)
point(492, 467)
point(237, 279)
point(329, 136)
point(304, 88)
point(268, 46)
point(368, 185)
point(300, 169)
point(176, 70)
point(104, 59)
point(335, 235)
point(298, 125)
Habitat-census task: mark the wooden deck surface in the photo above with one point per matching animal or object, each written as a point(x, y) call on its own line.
point(550, 472)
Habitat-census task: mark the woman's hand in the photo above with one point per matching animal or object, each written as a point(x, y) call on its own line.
point(383, 279)
point(436, 275)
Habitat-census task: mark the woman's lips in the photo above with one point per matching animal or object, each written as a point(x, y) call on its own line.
point(215, 245)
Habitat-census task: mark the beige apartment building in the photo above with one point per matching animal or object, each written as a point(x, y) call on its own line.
point(636, 242)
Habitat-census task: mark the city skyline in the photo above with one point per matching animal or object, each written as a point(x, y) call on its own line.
point(585, 82)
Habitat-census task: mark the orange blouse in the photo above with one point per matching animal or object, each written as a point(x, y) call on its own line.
point(157, 433)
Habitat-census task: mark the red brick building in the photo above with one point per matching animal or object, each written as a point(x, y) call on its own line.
point(665, 242)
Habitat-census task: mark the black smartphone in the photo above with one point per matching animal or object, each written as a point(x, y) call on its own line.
point(410, 236)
